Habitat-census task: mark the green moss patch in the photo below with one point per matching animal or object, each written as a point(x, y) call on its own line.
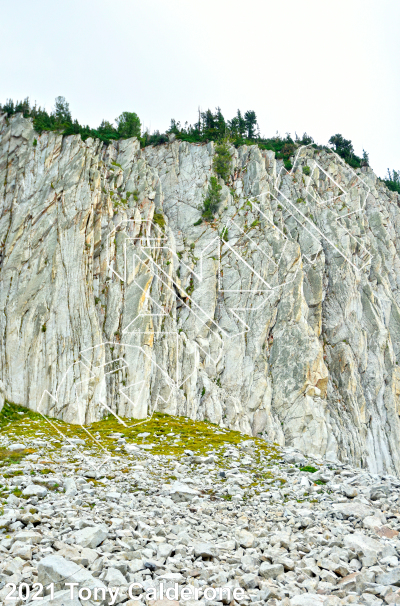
point(12, 413)
point(200, 437)
point(12, 457)
point(162, 434)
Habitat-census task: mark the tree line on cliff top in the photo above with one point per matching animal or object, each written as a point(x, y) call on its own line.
point(241, 129)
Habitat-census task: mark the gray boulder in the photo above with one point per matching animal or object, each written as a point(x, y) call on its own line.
point(270, 571)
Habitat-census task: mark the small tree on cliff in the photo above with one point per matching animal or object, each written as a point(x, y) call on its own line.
point(128, 125)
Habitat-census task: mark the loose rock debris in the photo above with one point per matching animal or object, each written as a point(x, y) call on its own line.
point(148, 505)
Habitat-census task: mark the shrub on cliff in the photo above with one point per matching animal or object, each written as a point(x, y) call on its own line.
point(213, 200)
point(222, 161)
point(393, 180)
point(344, 149)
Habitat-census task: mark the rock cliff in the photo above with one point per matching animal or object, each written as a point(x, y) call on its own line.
point(280, 318)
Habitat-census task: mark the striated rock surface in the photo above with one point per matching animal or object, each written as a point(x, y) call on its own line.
point(281, 318)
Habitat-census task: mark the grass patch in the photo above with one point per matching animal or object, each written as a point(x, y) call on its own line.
point(12, 413)
point(197, 436)
point(12, 457)
point(159, 219)
point(13, 474)
point(309, 469)
point(200, 437)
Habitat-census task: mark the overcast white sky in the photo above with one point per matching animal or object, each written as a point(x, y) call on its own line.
point(311, 65)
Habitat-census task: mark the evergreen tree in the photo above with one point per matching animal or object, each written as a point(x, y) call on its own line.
point(209, 124)
point(343, 147)
point(106, 128)
point(365, 159)
point(250, 120)
point(233, 126)
point(128, 125)
point(241, 124)
point(213, 200)
point(220, 124)
point(61, 111)
point(393, 180)
point(222, 161)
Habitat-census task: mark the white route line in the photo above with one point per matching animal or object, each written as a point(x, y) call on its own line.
point(88, 461)
point(145, 241)
point(159, 271)
point(338, 218)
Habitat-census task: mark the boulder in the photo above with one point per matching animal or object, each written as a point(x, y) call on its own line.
point(379, 492)
point(391, 577)
point(114, 578)
point(135, 565)
point(70, 487)
point(270, 571)
point(249, 581)
point(113, 495)
point(205, 550)
point(355, 509)
point(56, 569)
point(28, 536)
point(372, 522)
point(164, 550)
point(91, 536)
point(245, 538)
point(34, 490)
point(350, 491)
point(17, 446)
point(367, 548)
point(21, 550)
point(179, 491)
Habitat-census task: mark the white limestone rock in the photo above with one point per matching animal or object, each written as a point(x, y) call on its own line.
point(91, 536)
point(35, 490)
point(70, 487)
point(56, 569)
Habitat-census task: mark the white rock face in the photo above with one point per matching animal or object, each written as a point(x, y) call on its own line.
point(287, 326)
point(2, 395)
